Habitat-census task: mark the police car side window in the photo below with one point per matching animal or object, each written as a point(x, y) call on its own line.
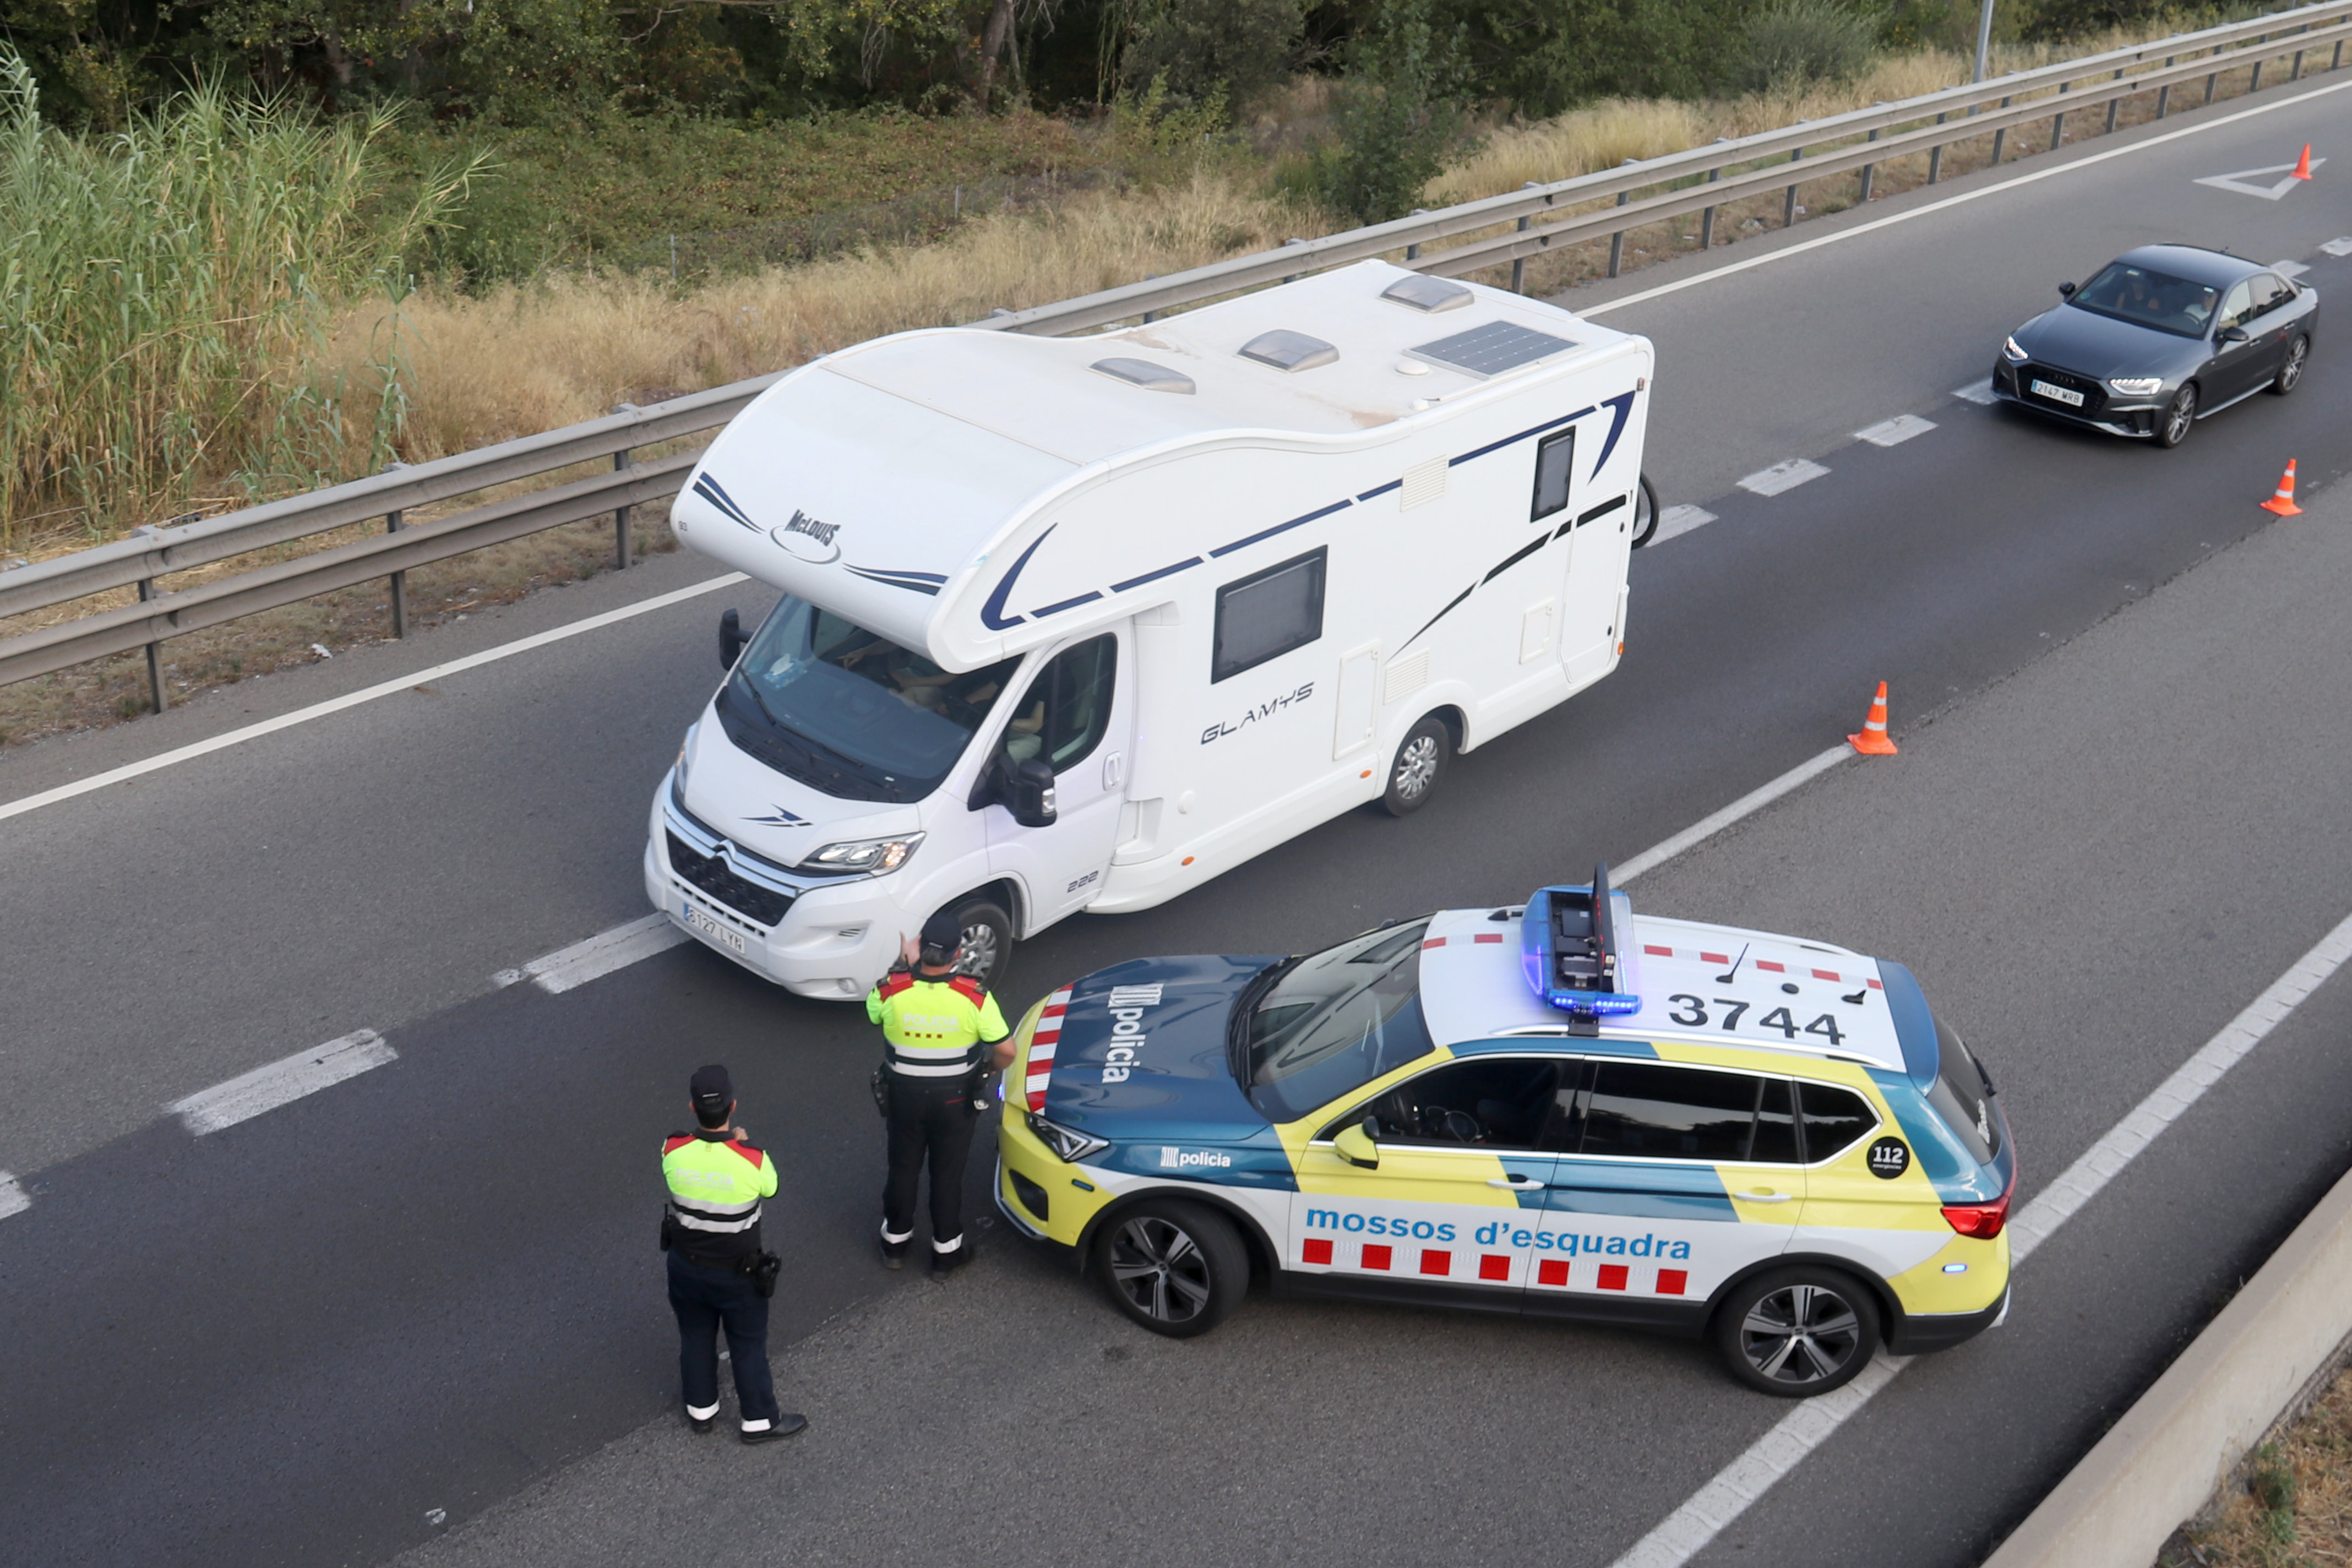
point(1835, 1119)
point(1653, 1111)
point(1485, 1102)
point(1776, 1126)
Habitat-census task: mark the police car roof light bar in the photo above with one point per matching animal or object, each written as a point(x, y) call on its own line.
point(1573, 947)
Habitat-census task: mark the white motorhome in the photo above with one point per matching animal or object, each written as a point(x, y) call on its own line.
point(1080, 623)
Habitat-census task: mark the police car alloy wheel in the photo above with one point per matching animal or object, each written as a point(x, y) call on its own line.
point(1796, 1332)
point(1174, 1268)
point(1419, 760)
point(2290, 376)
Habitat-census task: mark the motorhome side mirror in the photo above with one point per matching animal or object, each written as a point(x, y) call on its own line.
point(2233, 334)
point(2065, 291)
point(730, 639)
point(1032, 792)
point(1356, 1145)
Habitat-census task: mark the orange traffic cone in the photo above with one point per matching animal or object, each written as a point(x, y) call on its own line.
point(2303, 165)
point(2282, 501)
point(1873, 741)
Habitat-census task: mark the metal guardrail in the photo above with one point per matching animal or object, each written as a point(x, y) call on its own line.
point(1527, 222)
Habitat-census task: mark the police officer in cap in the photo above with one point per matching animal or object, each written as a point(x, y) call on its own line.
point(710, 1229)
point(940, 1027)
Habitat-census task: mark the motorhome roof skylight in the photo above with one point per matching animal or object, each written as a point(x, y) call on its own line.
point(1426, 293)
point(1144, 373)
point(1493, 349)
point(1286, 350)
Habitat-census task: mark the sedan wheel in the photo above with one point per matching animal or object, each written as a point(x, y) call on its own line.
point(1174, 1268)
point(1798, 1332)
point(2179, 415)
point(2291, 373)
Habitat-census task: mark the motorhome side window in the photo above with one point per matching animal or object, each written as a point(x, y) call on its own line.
point(1555, 460)
point(1067, 707)
point(1267, 613)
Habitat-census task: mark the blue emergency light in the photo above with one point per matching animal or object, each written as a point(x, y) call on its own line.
point(1570, 945)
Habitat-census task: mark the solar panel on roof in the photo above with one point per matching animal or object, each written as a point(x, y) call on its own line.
point(1491, 349)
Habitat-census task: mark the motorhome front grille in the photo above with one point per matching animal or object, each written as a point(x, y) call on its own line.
point(1493, 349)
point(712, 875)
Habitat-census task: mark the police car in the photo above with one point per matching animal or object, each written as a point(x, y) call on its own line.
point(1560, 1109)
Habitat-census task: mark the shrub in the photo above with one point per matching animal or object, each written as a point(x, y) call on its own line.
point(1792, 44)
point(1197, 48)
point(1402, 114)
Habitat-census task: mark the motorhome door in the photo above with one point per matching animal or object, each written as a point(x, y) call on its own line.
point(1596, 572)
point(1077, 712)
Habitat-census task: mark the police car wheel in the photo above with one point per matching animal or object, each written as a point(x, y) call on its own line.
point(1645, 513)
point(1796, 1332)
point(1174, 1268)
point(1420, 763)
point(987, 941)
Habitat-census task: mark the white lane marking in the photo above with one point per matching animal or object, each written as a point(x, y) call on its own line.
point(1895, 431)
point(2242, 181)
point(2338, 248)
point(282, 1082)
point(353, 699)
point(2289, 269)
point(601, 955)
point(1682, 1534)
point(1975, 392)
point(1677, 521)
point(2089, 161)
point(13, 1199)
point(1785, 475)
point(1707, 827)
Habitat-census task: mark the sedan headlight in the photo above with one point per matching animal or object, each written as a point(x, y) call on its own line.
point(2011, 352)
point(1069, 1144)
point(873, 855)
point(2135, 386)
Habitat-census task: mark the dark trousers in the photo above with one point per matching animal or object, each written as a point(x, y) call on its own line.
point(704, 1297)
point(933, 1117)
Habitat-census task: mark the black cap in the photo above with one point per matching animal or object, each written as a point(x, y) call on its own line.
point(712, 1090)
point(944, 932)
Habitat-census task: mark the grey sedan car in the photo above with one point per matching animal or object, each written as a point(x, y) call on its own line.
point(2163, 336)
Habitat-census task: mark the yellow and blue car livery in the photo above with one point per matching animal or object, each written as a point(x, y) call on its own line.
point(1560, 1110)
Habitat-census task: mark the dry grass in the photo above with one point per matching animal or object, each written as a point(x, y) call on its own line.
point(2292, 1508)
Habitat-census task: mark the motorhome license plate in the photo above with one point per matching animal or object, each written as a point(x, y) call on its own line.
point(715, 929)
point(2065, 395)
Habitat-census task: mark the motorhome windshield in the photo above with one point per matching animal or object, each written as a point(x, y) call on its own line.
point(1335, 1020)
point(829, 703)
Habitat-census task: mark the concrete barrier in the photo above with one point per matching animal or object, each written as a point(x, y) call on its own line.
point(2253, 1364)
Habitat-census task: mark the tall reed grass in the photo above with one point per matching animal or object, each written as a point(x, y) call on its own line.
point(159, 287)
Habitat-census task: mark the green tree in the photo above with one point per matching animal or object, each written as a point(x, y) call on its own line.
point(1200, 47)
point(1403, 112)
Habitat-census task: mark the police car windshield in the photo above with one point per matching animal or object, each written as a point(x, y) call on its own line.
point(834, 705)
point(1962, 1097)
point(1335, 1021)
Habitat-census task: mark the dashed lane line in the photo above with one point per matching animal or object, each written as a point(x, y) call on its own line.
point(599, 955)
point(221, 742)
point(12, 1198)
point(1686, 1530)
point(1895, 431)
point(282, 1082)
point(1747, 805)
point(1783, 476)
point(2338, 248)
point(2290, 268)
point(1910, 215)
point(1677, 521)
point(1979, 392)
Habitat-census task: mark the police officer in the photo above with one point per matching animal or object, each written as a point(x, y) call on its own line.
point(710, 1229)
point(940, 1026)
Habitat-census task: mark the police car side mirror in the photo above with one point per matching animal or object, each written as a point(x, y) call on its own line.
point(730, 639)
point(1029, 793)
point(1355, 1146)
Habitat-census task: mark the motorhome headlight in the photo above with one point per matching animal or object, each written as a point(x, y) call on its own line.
point(1069, 1144)
point(872, 855)
point(2135, 386)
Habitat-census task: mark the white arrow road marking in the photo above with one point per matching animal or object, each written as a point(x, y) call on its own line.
point(1683, 1533)
point(282, 1082)
point(2339, 246)
point(599, 955)
point(1677, 521)
point(12, 1197)
point(1782, 475)
point(2238, 182)
point(1895, 431)
point(1975, 392)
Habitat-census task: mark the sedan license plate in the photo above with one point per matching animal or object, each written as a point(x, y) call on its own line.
point(2065, 395)
point(716, 930)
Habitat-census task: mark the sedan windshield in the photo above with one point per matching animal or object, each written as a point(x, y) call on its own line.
point(1334, 1021)
point(853, 714)
point(2149, 298)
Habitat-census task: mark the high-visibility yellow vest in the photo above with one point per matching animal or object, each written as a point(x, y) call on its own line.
point(935, 1027)
point(716, 1184)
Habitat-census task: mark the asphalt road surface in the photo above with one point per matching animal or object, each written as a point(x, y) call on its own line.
point(421, 1310)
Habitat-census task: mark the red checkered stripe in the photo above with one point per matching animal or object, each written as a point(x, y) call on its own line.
point(1428, 942)
point(1697, 956)
point(1042, 1044)
point(1559, 1273)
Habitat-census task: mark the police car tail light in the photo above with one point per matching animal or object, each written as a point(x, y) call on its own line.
point(1982, 1221)
point(1572, 947)
point(1066, 1142)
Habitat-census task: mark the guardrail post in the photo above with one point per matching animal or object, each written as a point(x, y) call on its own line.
point(1617, 239)
point(1519, 263)
point(2000, 136)
point(2164, 93)
point(2058, 121)
point(1707, 218)
point(1413, 251)
point(620, 513)
point(2256, 85)
point(2114, 104)
point(157, 695)
point(2338, 63)
point(1148, 316)
point(1286, 244)
point(392, 524)
point(2209, 79)
point(1935, 158)
point(1868, 170)
point(1788, 206)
